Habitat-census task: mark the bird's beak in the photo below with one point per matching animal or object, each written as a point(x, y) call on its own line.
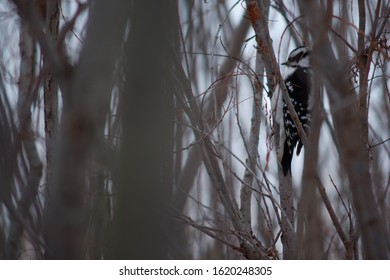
point(286, 63)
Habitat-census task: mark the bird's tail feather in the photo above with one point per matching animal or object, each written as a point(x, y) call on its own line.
point(286, 159)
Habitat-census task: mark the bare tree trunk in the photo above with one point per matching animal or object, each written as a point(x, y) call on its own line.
point(51, 93)
point(250, 173)
point(310, 240)
point(142, 225)
point(8, 159)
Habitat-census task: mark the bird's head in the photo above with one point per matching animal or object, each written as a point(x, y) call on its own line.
point(299, 57)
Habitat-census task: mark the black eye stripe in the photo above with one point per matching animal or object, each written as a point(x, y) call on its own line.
point(305, 54)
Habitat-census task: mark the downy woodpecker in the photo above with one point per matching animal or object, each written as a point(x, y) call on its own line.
point(298, 83)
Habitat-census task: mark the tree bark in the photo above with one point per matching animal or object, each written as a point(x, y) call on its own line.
point(50, 93)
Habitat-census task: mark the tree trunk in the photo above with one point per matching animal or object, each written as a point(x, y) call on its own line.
point(142, 226)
